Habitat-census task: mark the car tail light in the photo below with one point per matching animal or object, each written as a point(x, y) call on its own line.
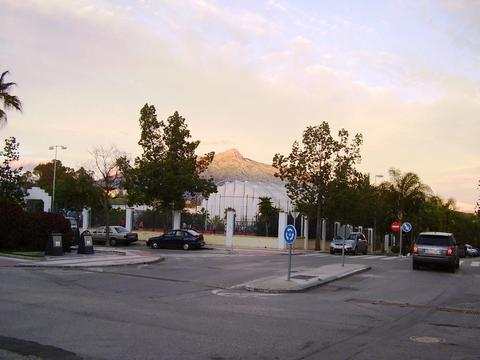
point(450, 251)
point(415, 249)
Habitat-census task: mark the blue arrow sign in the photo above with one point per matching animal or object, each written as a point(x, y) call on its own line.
point(290, 234)
point(406, 227)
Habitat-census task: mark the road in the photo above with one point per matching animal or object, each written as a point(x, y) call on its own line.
point(190, 306)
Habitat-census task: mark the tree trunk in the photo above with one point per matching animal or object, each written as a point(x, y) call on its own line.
point(266, 229)
point(106, 208)
point(319, 227)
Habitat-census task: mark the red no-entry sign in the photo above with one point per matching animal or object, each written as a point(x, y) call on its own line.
point(396, 226)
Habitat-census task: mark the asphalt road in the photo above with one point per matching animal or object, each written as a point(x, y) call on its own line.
point(190, 306)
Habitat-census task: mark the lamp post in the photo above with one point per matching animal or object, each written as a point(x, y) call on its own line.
point(55, 172)
point(375, 214)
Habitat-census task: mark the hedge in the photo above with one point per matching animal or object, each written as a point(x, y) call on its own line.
point(24, 231)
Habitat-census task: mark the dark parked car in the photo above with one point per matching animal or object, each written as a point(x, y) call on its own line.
point(436, 248)
point(177, 239)
point(355, 243)
point(118, 236)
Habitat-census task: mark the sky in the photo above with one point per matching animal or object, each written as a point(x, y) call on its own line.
point(252, 75)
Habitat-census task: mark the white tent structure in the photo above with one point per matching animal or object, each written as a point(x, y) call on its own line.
point(243, 196)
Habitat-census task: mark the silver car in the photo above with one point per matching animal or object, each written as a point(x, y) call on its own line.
point(355, 243)
point(436, 248)
point(118, 236)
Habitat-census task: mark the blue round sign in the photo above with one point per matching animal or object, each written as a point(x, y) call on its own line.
point(290, 234)
point(406, 227)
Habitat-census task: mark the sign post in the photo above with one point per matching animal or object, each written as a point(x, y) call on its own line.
point(396, 226)
point(406, 227)
point(290, 235)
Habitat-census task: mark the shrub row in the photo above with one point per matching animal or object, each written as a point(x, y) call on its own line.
point(24, 231)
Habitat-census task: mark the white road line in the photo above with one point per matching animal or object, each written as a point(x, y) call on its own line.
point(374, 257)
point(461, 262)
point(475, 263)
point(390, 258)
point(361, 256)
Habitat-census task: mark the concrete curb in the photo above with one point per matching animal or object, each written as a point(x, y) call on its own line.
point(45, 264)
point(279, 285)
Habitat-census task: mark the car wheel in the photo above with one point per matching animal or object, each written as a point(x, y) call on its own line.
point(332, 252)
point(415, 265)
point(365, 251)
point(452, 268)
point(113, 242)
point(355, 252)
point(154, 245)
point(186, 246)
point(457, 265)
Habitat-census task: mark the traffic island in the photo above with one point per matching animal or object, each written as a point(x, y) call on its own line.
point(305, 279)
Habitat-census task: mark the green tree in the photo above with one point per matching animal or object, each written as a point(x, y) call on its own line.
point(168, 167)
point(11, 181)
point(266, 211)
point(311, 169)
point(406, 194)
point(74, 190)
point(9, 101)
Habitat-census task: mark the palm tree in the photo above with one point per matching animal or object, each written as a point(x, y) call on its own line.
point(9, 101)
point(407, 192)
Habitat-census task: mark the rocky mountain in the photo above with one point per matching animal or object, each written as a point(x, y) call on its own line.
point(231, 165)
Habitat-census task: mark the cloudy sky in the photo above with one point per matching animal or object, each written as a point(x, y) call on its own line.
point(252, 75)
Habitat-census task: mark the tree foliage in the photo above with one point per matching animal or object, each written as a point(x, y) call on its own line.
point(11, 181)
point(267, 211)
point(9, 101)
point(315, 168)
point(74, 189)
point(168, 167)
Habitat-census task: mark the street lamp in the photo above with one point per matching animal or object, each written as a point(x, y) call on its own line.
point(375, 214)
point(55, 172)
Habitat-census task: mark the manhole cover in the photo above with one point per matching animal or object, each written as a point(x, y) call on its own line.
point(427, 339)
point(303, 277)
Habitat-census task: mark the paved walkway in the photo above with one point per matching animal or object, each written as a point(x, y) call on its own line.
point(101, 257)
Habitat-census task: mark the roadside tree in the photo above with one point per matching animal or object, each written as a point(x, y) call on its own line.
point(9, 101)
point(267, 211)
point(311, 168)
point(168, 167)
point(108, 175)
point(11, 181)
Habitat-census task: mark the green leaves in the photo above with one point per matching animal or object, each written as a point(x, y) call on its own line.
point(168, 168)
point(11, 180)
point(9, 101)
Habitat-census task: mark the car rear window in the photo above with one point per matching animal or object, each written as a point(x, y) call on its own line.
point(434, 240)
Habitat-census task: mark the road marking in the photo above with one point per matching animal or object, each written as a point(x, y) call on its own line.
point(461, 262)
point(361, 256)
point(374, 257)
point(390, 258)
point(475, 263)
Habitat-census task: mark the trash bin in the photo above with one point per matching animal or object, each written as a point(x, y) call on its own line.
point(85, 244)
point(54, 244)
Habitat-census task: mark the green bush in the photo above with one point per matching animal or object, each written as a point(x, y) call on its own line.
point(24, 231)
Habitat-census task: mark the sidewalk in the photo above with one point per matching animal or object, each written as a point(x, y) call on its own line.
point(101, 257)
point(305, 279)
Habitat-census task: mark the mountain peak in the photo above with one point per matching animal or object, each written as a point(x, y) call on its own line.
point(231, 165)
